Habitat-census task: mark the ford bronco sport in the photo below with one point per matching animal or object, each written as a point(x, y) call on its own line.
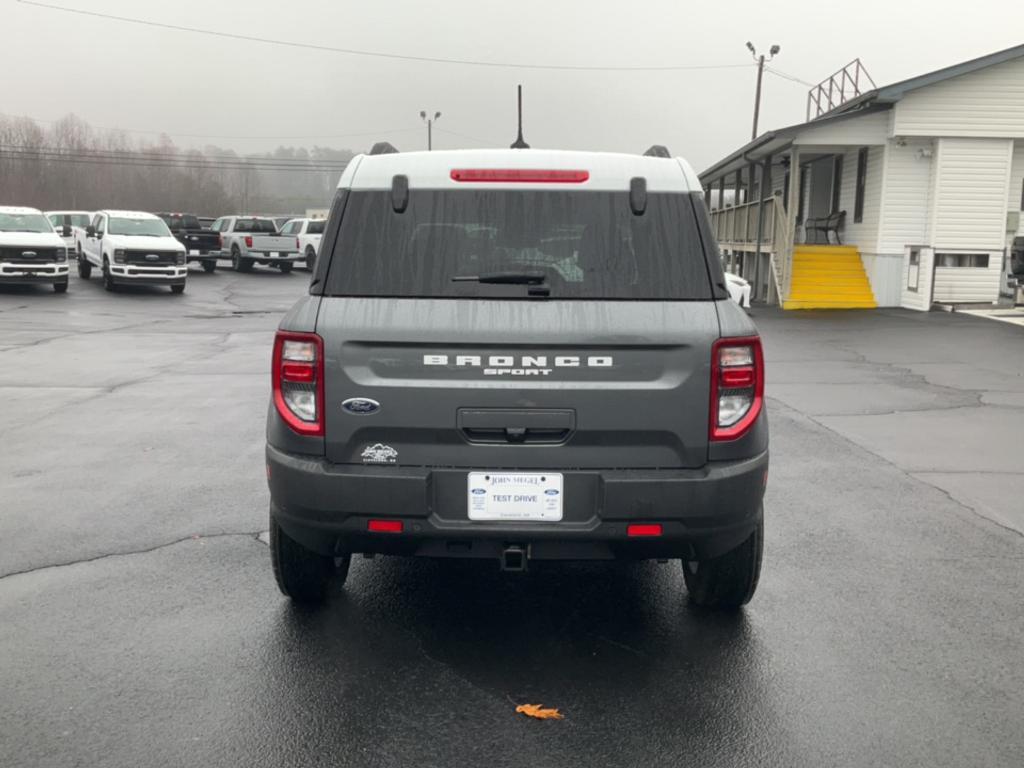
point(521, 355)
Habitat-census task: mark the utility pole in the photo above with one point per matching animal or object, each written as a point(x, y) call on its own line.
point(430, 127)
point(760, 74)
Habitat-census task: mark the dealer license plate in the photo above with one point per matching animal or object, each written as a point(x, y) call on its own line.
point(529, 496)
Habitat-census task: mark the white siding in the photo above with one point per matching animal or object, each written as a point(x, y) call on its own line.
point(989, 102)
point(920, 299)
point(906, 195)
point(1015, 199)
point(865, 234)
point(966, 284)
point(972, 178)
point(866, 129)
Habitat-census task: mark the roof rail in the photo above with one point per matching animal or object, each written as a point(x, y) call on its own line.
point(383, 148)
point(657, 150)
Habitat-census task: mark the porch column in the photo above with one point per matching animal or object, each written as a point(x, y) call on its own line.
point(765, 170)
point(792, 207)
point(721, 193)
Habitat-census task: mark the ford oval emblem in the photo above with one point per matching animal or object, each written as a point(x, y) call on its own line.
point(360, 406)
point(551, 492)
point(478, 491)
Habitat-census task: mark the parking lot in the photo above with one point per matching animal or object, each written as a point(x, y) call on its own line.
point(140, 623)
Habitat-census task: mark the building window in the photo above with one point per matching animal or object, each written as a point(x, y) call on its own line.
point(962, 260)
point(862, 173)
point(837, 182)
point(914, 269)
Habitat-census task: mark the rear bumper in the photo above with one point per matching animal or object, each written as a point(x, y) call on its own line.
point(12, 273)
point(703, 512)
point(267, 257)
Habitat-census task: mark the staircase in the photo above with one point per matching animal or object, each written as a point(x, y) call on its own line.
point(828, 277)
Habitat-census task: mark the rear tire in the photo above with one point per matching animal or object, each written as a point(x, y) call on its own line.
point(729, 580)
point(60, 287)
point(285, 267)
point(84, 267)
point(177, 289)
point(108, 280)
point(301, 574)
point(240, 264)
point(310, 259)
point(209, 266)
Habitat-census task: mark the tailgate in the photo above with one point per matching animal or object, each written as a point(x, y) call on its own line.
point(518, 384)
point(279, 243)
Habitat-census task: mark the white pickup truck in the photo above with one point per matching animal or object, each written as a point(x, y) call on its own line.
point(130, 248)
point(250, 240)
point(307, 234)
point(30, 251)
point(64, 223)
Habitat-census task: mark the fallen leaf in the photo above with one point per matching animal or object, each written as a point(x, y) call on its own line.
point(538, 711)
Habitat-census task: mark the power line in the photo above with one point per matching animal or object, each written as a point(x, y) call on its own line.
point(376, 54)
point(787, 76)
point(173, 158)
point(477, 139)
point(220, 136)
point(19, 156)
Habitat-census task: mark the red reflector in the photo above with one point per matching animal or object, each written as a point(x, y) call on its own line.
point(643, 529)
point(519, 175)
point(297, 372)
point(737, 378)
point(384, 526)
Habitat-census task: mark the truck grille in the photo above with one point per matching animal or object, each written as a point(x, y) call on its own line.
point(26, 255)
point(145, 258)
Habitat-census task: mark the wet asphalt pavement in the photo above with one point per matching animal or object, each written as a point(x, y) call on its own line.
point(140, 625)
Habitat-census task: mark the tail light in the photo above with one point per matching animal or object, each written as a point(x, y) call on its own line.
point(520, 175)
point(298, 381)
point(297, 246)
point(220, 240)
point(248, 241)
point(737, 386)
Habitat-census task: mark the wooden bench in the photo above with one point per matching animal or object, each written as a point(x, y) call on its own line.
point(825, 224)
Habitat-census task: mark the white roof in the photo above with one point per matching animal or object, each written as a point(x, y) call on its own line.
point(130, 214)
point(432, 170)
point(68, 213)
point(18, 210)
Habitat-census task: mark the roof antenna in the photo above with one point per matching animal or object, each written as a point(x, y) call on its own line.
point(520, 143)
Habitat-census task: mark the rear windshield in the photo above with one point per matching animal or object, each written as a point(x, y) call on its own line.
point(255, 225)
point(177, 222)
point(315, 227)
point(572, 244)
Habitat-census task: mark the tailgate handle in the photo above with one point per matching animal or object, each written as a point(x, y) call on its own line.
point(517, 425)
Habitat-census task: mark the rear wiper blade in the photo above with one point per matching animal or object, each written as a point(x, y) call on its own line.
point(506, 278)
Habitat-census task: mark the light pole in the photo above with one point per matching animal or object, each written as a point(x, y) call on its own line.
point(760, 73)
point(430, 127)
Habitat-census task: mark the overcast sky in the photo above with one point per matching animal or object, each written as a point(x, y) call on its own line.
point(127, 76)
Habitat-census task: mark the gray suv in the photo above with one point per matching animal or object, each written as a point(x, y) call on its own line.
point(519, 355)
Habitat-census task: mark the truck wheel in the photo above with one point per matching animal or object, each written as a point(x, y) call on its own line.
point(285, 267)
point(301, 574)
point(108, 280)
point(84, 267)
point(209, 265)
point(310, 259)
point(60, 287)
point(240, 264)
point(727, 581)
point(177, 289)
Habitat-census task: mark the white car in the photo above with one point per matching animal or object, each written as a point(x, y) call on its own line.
point(64, 223)
point(307, 234)
point(30, 250)
point(739, 289)
point(131, 248)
